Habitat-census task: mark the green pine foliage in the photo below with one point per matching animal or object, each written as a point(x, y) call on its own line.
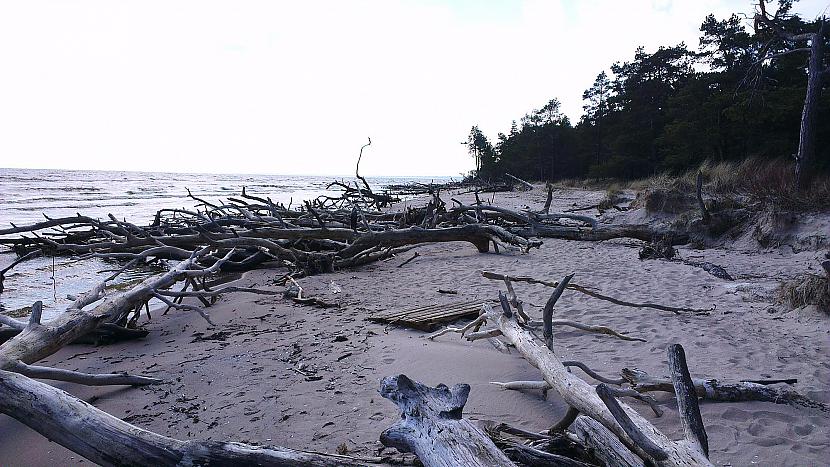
point(668, 111)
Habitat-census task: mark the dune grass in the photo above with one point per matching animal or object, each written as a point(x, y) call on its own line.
point(768, 181)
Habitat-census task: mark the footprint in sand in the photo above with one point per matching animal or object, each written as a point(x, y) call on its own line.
point(803, 430)
point(736, 415)
point(758, 427)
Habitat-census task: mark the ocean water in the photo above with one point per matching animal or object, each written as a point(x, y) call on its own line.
point(27, 194)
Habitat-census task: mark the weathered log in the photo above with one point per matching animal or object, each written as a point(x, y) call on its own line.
point(684, 388)
point(524, 184)
point(431, 426)
point(603, 444)
point(478, 234)
point(715, 390)
point(580, 395)
point(602, 232)
point(106, 440)
point(529, 218)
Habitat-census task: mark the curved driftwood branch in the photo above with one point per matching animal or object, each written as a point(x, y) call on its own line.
point(591, 293)
point(589, 328)
point(547, 313)
point(593, 374)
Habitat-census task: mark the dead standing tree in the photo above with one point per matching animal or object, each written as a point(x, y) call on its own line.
point(817, 73)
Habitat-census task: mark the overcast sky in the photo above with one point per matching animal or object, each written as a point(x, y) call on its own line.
point(296, 87)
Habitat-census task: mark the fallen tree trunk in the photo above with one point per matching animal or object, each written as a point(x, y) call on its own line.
point(431, 426)
point(635, 432)
point(714, 390)
point(106, 440)
point(94, 434)
point(478, 234)
point(642, 232)
point(524, 184)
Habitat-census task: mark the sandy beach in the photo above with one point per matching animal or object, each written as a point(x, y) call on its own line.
point(273, 372)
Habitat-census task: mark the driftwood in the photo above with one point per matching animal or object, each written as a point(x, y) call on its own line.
point(592, 293)
point(612, 431)
point(427, 317)
point(524, 184)
point(714, 390)
point(431, 426)
point(634, 432)
point(544, 451)
point(602, 232)
point(95, 434)
point(14, 263)
point(603, 444)
point(107, 440)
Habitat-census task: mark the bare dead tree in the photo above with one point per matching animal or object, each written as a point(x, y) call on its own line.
point(817, 72)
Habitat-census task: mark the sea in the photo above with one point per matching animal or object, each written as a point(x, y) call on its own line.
point(26, 195)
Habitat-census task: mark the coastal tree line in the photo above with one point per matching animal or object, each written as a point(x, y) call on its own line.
point(739, 94)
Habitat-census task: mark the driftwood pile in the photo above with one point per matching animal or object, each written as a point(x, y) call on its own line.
point(234, 235)
point(598, 429)
point(326, 234)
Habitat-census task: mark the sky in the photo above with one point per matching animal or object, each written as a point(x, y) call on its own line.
point(296, 87)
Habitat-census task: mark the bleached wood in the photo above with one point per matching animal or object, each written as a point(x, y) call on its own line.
point(106, 440)
point(582, 396)
point(432, 428)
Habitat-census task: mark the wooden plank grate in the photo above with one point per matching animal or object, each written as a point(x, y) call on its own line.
point(427, 317)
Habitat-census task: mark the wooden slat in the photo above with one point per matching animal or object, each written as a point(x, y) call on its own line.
point(427, 317)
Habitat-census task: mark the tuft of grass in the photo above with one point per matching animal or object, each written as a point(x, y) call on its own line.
point(770, 182)
point(613, 197)
point(809, 289)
